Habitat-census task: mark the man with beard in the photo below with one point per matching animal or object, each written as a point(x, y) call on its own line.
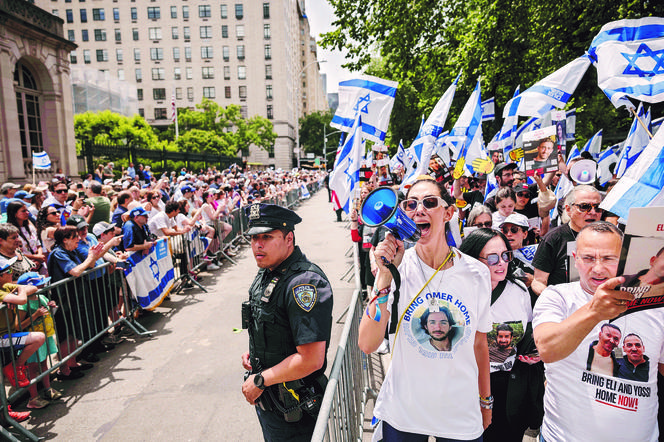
point(439, 326)
point(634, 366)
point(503, 347)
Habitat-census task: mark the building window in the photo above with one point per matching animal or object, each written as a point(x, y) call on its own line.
point(241, 72)
point(86, 56)
point(224, 11)
point(158, 73)
point(174, 12)
point(139, 94)
point(118, 54)
point(187, 53)
point(116, 14)
point(69, 13)
point(141, 112)
point(268, 72)
point(240, 52)
point(139, 75)
point(268, 52)
point(156, 54)
point(185, 12)
point(206, 52)
point(137, 54)
point(186, 33)
point(270, 150)
point(208, 92)
point(270, 115)
point(190, 93)
point(239, 11)
point(154, 33)
point(154, 12)
point(72, 57)
point(98, 14)
point(134, 14)
point(204, 11)
point(176, 54)
point(239, 32)
point(134, 34)
point(206, 31)
point(174, 32)
point(84, 15)
point(268, 91)
point(84, 35)
point(242, 92)
point(243, 111)
point(100, 34)
point(29, 113)
point(177, 73)
point(226, 53)
point(178, 93)
point(121, 75)
point(227, 72)
point(224, 31)
point(160, 113)
point(159, 94)
point(208, 72)
point(118, 35)
point(227, 91)
point(267, 33)
point(71, 35)
point(189, 72)
point(102, 55)
point(266, 10)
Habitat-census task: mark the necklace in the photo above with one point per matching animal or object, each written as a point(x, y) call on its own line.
point(419, 262)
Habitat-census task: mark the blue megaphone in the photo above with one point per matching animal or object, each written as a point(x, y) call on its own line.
point(381, 208)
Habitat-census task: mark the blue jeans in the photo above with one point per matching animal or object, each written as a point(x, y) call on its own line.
point(391, 434)
point(276, 429)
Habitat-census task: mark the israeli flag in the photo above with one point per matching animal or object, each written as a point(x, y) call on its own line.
point(370, 97)
point(575, 152)
point(440, 148)
point(150, 276)
point(642, 184)
point(594, 144)
point(422, 146)
point(654, 124)
point(628, 57)
point(571, 124)
point(551, 92)
point(398, 160)
point(304, 192)
point(491, 186)
point(345, 177)
point(637, 140)
point(40, 160)
point(489, 109)
point(507, 133)
point(467, 124)
point(605, 160)
point(563, 187)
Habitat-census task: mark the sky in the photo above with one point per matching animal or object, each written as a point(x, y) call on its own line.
point(320, 17)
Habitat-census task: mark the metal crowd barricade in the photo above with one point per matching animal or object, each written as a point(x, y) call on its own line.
point(88, 307)
point(341, 416)
point(184, 265)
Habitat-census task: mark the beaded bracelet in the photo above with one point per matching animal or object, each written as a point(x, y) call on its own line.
point(378, 299)
point(486, 402)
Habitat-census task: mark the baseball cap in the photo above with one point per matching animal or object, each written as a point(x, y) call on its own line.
point(77, 221)
point(102, 227)
point(137, 211)
point(33, 278)
point(517, 219)
point(22, 194)
point(6, 186)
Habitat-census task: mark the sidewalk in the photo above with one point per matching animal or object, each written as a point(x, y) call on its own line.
point(184, 383)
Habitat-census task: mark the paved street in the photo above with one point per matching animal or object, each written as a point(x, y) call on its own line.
point(184, 383)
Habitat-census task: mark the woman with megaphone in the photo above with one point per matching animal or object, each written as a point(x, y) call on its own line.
point(438, 309)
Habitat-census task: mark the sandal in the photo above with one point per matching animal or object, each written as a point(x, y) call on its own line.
point(38, 403)
point(52, 394)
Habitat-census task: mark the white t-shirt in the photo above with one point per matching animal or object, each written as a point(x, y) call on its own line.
point(436, 392)
point(580, 405)
point(160, 221)
point(514, 309)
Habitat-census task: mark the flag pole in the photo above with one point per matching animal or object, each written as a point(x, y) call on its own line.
point(641, 122)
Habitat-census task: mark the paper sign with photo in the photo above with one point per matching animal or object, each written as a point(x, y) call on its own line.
point(438, 169)
point(495, 149)
point(540, 152)
point(559, 119)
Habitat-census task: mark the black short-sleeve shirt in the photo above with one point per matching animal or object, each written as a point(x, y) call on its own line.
point(551, 255)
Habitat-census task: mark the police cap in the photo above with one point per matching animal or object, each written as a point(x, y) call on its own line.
point(264, 218)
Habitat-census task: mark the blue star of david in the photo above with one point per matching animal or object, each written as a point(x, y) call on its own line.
point(349, 178)
point(154, 267)
point(646, 53)
point(361, 100)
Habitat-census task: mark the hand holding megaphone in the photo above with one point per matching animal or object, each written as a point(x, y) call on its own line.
point(389, 250)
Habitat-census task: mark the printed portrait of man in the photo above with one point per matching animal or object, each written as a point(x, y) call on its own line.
point(502, 347)
point(439, 326)
point(652, 278)
point(601, 355)
point(634, 365)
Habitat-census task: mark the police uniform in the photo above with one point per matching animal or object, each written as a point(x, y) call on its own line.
point(290, 305)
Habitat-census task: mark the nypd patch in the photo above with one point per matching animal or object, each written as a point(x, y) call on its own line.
point(306, 296)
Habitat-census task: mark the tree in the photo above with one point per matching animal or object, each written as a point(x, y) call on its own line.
point(112, 128)
point(311, 133)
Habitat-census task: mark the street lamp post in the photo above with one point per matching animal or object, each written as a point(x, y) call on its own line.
point(325, 142)
point(298, 99)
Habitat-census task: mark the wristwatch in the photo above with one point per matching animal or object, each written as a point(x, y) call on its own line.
point(259, 381)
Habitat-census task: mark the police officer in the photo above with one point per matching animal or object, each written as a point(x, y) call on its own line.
point(289, 319)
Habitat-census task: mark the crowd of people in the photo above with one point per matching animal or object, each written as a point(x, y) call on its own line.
point(64, 228)
point(498, 288)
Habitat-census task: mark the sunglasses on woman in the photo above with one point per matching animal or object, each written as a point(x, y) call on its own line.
point(487, 224)
point(493, 259)
point(428, 202)
point(513, 229)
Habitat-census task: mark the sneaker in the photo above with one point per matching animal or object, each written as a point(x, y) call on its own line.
point(123, 332)
point(37, 403)
point(18, 416)
point(111, 339)
point(213, 266)
point(52, 394)
point(21, 376)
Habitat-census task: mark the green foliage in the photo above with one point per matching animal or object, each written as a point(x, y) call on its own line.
point(423, 44)
point(111, 128)
point(311, 133)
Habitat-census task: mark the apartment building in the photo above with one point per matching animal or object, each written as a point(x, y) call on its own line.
point(258, 54)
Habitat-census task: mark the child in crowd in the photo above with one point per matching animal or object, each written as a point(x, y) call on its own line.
point(505, 203)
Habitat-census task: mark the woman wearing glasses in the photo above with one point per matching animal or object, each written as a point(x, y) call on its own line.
point(438, 381)
point(48, 219)
point(517, 375)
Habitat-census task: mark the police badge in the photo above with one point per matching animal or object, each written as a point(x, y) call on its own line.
point(305, 295)
point(255, 211)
